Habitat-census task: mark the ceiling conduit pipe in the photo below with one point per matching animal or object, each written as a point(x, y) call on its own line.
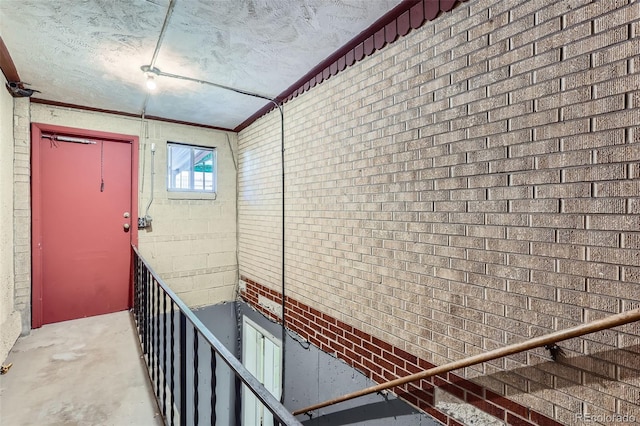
point(154, 58)
point(165, 24)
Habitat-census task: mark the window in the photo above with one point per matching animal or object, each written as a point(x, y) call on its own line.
point(262, 357)
point(191, 168)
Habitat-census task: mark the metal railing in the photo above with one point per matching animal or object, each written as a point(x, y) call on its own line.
point(178, 348)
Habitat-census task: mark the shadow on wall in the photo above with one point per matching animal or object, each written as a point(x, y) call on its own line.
point(595, 370)
point(599, 368)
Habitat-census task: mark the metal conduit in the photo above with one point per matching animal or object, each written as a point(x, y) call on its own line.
point(165, 24)
point(558, 336)
point(163, 31)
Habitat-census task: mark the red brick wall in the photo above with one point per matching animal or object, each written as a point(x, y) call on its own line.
point(382, 362)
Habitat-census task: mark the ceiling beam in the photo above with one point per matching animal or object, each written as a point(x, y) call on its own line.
point(6, 64)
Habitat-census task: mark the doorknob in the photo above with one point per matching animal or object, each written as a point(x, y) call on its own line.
point(126, 215)
point(126, 226)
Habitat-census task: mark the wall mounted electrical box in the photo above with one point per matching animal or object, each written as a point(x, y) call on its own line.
point(144, 222)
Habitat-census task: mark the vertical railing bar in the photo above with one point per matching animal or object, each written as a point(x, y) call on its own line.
point(150, 323)
point(144, 311)
point(196, 336)
point(147, 321)
point(151, 318)
point(173, 375)
point(157, 340)
point(164, 354)
point(152, 335)
point(138, 295)
point(183, 369)
point(143, 307)
point(140, 272)
point(213, 386)
point(137, 286)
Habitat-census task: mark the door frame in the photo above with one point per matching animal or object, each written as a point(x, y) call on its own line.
point(37, 129)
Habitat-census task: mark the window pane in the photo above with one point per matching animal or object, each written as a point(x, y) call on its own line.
point(190, 168)
point(203, 170)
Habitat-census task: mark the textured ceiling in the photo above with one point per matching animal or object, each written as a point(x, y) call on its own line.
point(89, 52)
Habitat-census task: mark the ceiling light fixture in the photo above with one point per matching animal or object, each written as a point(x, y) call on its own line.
point(151, 82)
point(150, 73)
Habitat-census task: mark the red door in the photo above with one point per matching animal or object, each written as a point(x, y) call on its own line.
point(84, 224)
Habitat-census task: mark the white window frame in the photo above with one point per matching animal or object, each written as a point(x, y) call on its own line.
point(191, 192)
point(260, 349)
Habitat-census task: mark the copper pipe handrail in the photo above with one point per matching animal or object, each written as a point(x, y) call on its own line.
point(558, 336)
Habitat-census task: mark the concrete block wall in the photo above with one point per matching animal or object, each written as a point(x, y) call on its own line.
point(471, 185)
point(9, 315)
point(192, 243)
point(22, 211)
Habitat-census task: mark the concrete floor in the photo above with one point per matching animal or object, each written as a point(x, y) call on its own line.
point(80, 372)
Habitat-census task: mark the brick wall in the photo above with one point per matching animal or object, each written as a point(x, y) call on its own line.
point(381, 361)
point(260, 201)
point(469, 186)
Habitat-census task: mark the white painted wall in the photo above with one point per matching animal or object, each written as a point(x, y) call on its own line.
point(9, 317)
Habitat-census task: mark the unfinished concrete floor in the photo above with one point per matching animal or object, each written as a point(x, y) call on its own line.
point(80, 372)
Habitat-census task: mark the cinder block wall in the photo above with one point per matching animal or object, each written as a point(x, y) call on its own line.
point(474, 184)
point(9, 315)
point(22, 211)
point(192, 243)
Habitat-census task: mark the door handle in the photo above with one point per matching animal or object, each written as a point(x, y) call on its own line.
point(126, 226)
